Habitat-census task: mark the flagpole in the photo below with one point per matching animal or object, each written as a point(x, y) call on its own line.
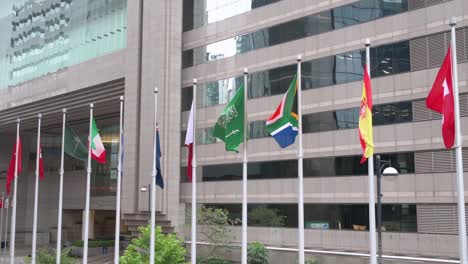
point(458, 151)
point(300, 157)
point(15, 188)
point(153, 181)
point(36, 190)
point(6, 226)
point(119, 187)
point(59, 220)
point(370, 167)
point(1, 218)
point(193, 252)
point(244, 175)
point(88, 187)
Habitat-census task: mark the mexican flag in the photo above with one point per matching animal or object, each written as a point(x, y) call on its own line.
point(98, 153)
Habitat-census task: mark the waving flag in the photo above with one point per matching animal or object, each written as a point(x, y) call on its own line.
point(159, 177)
point(41, 165)
point(230, 125)
point(282, 125)
point(440, 99)
point(189, 144)
point(11, 168)
point(365, 119)
point(98, 153)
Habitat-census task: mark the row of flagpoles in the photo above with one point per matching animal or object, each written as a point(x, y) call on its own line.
point(96, 152)
point(231, 127)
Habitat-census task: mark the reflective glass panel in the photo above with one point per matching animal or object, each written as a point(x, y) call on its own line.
point(198, 13)
point(338, 69)
point(355, 13)
point(395, 217)
point(40, 37)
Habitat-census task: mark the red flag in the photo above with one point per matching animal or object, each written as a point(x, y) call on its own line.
point(189, 143)
point(41, 165)
point(440, 99)
point(11, 168)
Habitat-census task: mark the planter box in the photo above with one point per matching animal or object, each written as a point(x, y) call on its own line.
point(92, 251)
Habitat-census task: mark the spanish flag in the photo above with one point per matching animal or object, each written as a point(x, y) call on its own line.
point(365, 119)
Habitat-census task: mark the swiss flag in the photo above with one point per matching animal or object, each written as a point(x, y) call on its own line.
point(441, 99)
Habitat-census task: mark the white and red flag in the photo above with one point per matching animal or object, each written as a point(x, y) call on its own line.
point(441, 100)
point(189, 144)
point(41, 165)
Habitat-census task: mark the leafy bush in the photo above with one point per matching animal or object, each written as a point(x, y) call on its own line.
point(95, 243)
point(48, 256)
point(311, 261)
point(257, 253)
point(212, 261)
point(169, 249)
point(264, 216)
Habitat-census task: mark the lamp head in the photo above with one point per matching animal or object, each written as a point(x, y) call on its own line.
point(143, 189)
point(390, 171)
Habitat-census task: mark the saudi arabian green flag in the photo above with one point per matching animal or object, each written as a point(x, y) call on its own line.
point(73, 145)
point(230, 125)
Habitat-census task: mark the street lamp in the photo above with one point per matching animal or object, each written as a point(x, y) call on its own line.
point(147, 188)
point(388, 171)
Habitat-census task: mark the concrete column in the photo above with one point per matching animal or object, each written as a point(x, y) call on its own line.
point(92, 214)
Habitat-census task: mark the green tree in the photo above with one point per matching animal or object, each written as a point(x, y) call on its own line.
point(169, 249)
point(215, 228)
point(257, 253)
point(264, 216)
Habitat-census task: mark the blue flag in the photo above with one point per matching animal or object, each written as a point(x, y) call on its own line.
point(159, 177)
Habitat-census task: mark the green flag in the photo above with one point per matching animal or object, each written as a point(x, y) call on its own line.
point(230, 125)
point(73, 145)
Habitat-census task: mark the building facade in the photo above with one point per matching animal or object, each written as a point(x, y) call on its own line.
point(70, 53)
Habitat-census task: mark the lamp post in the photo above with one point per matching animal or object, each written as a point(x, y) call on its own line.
point(388, 171)
point(147, 188)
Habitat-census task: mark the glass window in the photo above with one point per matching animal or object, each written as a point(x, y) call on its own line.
point(313, 167)
point(342, 68)
point(355, 13)
point(198, 13)
point(395, 217)
point(392, 113)
point(104, 176)
point(258, 129)
point(40, 37)
point(384, 114)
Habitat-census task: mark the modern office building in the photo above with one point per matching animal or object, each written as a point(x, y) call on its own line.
point(58, 54)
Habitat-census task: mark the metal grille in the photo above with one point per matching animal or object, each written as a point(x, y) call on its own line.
point(420, 111)
point(429, 51)
point(423, 162)
point(437, 218)
point(461, 45)
point(437, 48)
point(419, 54)
point(417, 4)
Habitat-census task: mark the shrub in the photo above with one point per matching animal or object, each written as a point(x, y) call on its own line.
point(311, 261)
point(257, 253)
point(212, 261)
point(48, 256)
point(264, 216)
point(169, 249)
point(95, 243)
